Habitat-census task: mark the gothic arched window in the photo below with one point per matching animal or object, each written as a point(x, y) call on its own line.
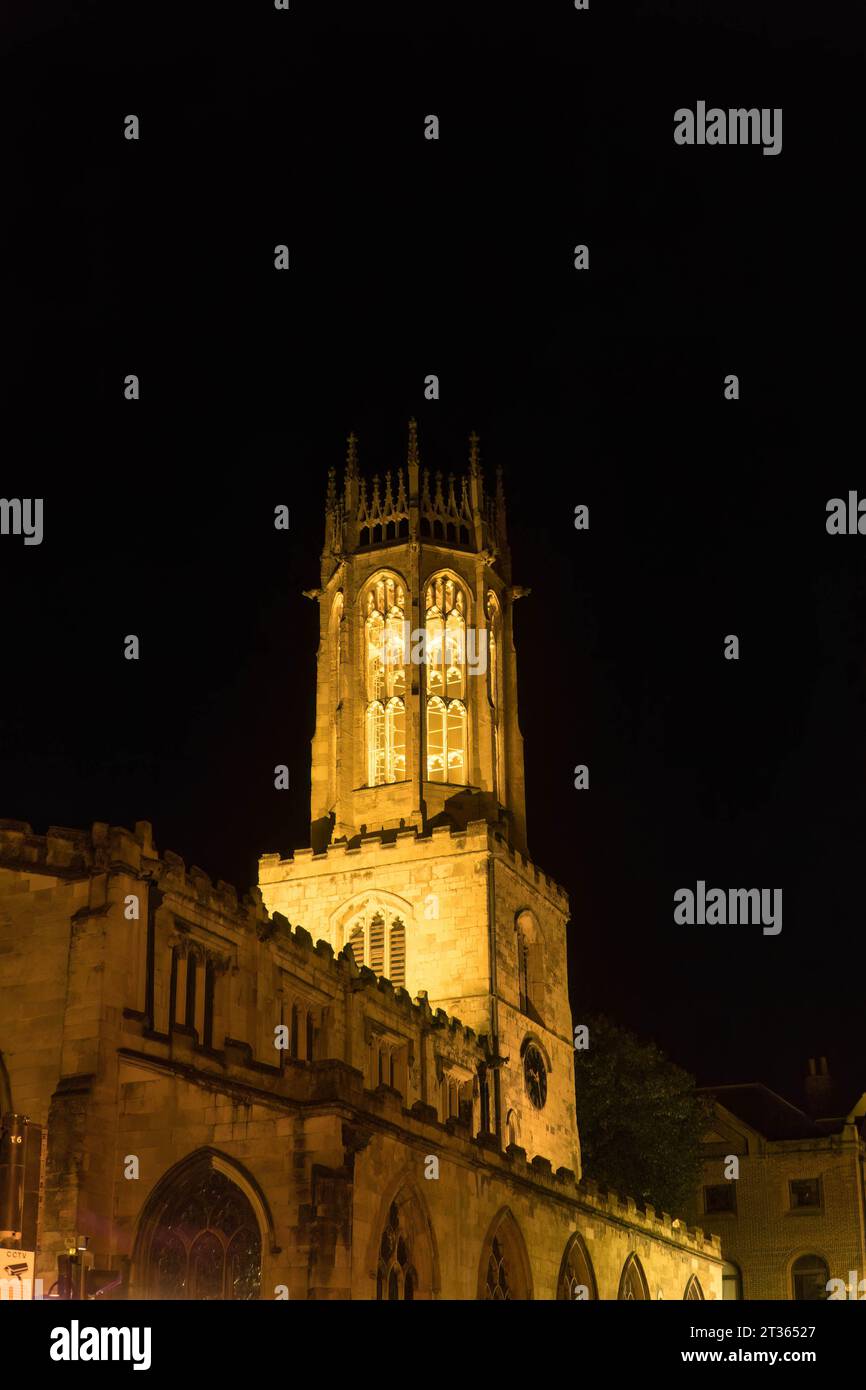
point(504, 1274)
point(445, 660)
point(494, 689)
point(693, 1289)
point(395, 1276)
point(530, 964)
point(336, 630)
point(205, 1241)
point(497, 1287)
point(633, 1285)
point(385, 678)
point(576, 1279)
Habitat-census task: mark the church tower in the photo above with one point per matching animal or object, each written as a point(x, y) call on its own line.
point(416, 719)
point(418, 860)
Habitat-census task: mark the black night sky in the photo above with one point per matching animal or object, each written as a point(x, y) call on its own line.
point(455, 257)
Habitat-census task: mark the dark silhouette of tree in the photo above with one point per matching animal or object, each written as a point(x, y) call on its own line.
point(640, 1119)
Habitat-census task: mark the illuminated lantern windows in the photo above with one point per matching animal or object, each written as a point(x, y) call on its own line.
point(385, 649)
point(445, 631)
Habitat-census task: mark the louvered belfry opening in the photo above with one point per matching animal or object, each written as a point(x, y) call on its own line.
point(377, 939)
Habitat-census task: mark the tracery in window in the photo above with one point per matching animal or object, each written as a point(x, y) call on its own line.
point(445, 629)
point(395, 1275)
point(336, 694)
point(494, 689)
point(206, 1242)
point(576, 1278)
point(497, 1287)
point(385, 674)
point(633, 1285)
point(504, 1273)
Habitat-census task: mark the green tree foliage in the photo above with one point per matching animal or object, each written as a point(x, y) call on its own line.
point(640, 1121)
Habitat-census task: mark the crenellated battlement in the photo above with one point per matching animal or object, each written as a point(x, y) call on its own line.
point(364, 850)
point(80, 854)
point(71, 854)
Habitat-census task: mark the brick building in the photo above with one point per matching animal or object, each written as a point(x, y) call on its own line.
point(790, 1212)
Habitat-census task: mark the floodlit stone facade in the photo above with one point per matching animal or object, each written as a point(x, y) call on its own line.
point(375, 1102)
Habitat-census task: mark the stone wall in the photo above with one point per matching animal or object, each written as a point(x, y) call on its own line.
point(98, 936)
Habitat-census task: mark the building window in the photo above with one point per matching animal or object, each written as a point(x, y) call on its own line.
point(530, 965)
point(457, 1099)
point(633, 1285)
point(446, 716)
point(576, 1279)
point(497, 1288)
point(205, 1243)
point(384, 635)
point(336, 631)
point(504, 1273)
point(810, 1276)
point(721, 1197)
point(301, 1033)
point(693, 1290)
point(395, 1277)
point(805, 1193)
point(732, 1281)
point(494, 690)
point(379, 944)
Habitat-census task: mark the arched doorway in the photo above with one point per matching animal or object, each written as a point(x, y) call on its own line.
point(504, 1273)
point(633, 1284)
point(200, 1237)
point(576, 1279)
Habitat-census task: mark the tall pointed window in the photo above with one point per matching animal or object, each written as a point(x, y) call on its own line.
point(336, 695)
point(395, 1277)
point(576, 1279)
point(633, 1285)
point(531, 977)
point(445, 630)
point(497, 1288)
point(385, 655)
point(204, 1241)
point(504, 1271)
point(494, 689)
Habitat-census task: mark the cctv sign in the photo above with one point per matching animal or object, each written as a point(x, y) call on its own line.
point(16, 1274)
